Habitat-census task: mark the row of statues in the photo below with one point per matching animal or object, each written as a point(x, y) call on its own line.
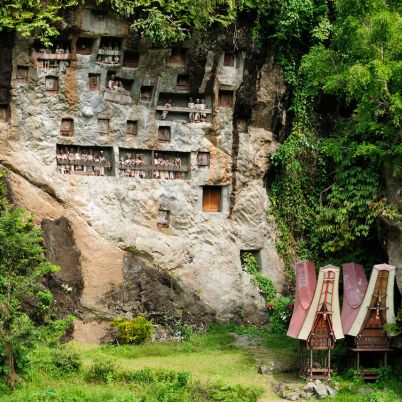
point(109, 54)
point(196, 116)
point(81, 161)
point(163, 166)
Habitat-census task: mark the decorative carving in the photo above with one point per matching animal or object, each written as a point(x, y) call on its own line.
point(132, 128)
point(21, 74)
point(51, 85)
point(203, 158)
point(103, 126)
point(164, 134)
point(94, 82)
point(225, 98)
point(67, 127)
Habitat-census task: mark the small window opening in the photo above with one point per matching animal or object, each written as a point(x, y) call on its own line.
point(94, 82)
point(3, 113)
point(84, 46)
point(51, 85)
point(146, 93)
point(229, 60)
point(103, 126)
point(131, 59)
point(183, 83)
point(21, 74)
point(225, 98)
point(163, 219)
point(242, 125)
point(211, 198)
point(164, 134)
point(132, 128)
point(178, 57)
point(203, 158)
point(67, 127)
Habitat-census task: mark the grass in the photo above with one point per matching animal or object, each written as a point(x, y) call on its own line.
point(209, 367)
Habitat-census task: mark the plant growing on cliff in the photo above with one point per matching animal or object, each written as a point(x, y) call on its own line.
point(24, 303)
point(264, 285)
point(136, 331)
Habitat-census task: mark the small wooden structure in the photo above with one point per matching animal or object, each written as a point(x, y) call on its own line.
point(316, 318)
point(363, 318)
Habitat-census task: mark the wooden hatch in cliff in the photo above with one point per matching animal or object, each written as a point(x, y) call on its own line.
point(316, 318)
point(367, 307)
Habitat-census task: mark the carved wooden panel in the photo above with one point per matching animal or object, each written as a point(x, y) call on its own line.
point(21, 74)
point(3, 114)
point(131, 128)
point(103, 126)
point(211, 198)
point(67, 127)
point(164, 134)
point(203, 158)
point(225, 98)
point(51, 85)
point(93, 82)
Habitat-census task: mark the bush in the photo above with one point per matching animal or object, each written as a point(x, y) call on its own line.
point(66, 361)
point(103, 370)
point(280, 313)
point(136, 331)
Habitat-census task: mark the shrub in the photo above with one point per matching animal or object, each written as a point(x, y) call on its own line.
point(280, 313)
point(103, 370)
point(136, 331)
point(66, 361)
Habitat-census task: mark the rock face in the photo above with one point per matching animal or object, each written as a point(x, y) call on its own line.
point(393, 230)
point(127, 244)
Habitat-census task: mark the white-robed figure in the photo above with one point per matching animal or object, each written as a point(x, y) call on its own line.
point(197, 114)
point(191, 114)
point(202, 107)
point(165, 112)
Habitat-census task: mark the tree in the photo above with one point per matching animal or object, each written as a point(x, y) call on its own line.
point(33, 17)
point(24, 302)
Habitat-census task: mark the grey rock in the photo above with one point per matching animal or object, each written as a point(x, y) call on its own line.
point(320, 390)
point(331, 391)
point(262, 369)
point(309, 387)
point(291, 396)
point(364, 390)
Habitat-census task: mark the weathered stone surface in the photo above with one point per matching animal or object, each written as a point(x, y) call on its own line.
point(109, 215)
point(320, 390)
point(393, 230)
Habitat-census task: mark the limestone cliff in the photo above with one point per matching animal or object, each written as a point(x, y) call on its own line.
point(146, 238)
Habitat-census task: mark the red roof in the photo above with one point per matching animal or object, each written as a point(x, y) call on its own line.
point(354, 288)
point(305, 287)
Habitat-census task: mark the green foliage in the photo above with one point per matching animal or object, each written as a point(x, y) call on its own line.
point(103, 370)
point(24, 302)
point(380, 396)
point(136, 331)
point(169, 21)
point(280, 312)
point(59, 361)
point(265, 285)
point(328, 192)
point(33, 17)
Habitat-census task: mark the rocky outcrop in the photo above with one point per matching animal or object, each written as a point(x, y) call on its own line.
point(189, 268)
point(393, 230)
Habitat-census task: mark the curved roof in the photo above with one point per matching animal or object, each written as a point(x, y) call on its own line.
point(305, 288)
point(379, 290)
point(354, 288)
point(326, 296)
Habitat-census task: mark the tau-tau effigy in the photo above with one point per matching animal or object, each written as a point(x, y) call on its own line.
point(316, 320)
point(366, 309)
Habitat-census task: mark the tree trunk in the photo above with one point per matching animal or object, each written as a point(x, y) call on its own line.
point(10, 362)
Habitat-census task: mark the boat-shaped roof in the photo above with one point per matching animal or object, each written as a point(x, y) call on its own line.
point(354, 288)
point(326, 298)
point(379, 294)
point(305, 287)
